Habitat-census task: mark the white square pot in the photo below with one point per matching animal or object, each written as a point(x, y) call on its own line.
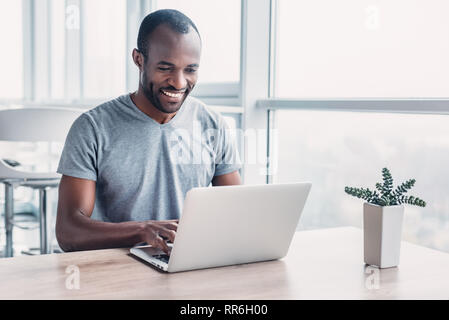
point(382, 231)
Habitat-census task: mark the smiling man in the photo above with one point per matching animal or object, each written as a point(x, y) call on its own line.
point(128, 163)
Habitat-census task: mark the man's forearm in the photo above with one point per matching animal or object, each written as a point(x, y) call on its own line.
point(75, 231)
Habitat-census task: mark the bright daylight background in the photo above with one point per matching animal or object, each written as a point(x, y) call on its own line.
point(365, 49)
point(325, 49)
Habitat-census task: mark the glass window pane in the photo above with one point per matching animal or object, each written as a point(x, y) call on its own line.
point(11, 53)
point(104, 48)
point(361, 48)
point(219, 25)
point(57, 49)
point(338, 149)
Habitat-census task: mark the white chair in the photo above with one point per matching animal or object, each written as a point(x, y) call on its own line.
point(32, 124)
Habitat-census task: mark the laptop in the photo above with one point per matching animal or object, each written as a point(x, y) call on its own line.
point(229, 225)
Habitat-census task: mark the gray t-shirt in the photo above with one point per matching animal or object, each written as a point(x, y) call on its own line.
point(143, 169)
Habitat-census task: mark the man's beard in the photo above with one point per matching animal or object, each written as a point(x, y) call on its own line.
point(148, 91)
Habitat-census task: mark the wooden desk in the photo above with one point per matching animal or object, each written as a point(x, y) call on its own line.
point(321, 264)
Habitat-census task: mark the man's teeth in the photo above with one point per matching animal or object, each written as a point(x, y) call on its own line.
point(173, 95)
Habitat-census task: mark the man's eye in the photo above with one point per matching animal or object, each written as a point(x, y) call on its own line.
point(164, 69)
point(191, 70)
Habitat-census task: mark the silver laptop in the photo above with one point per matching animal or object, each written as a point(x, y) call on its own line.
point(230, 225)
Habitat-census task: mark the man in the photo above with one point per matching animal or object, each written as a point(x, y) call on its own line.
point(128, 163)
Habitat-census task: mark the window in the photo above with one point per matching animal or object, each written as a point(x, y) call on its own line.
point(104, 50)
point(359, 48)
point(338, 149)
point(219, 25)
point(57, 50)
point(11, 54)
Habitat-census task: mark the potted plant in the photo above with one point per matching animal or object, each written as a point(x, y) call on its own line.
point(383, 213)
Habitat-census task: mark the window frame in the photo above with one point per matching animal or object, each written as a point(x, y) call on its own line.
point(415, 106)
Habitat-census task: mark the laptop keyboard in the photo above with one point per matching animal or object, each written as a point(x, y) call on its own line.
point(162, 257)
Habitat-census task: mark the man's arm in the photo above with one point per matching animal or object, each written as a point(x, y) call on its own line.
point(228, 179)
point(75, 230)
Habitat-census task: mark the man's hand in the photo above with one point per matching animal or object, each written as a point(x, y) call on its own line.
point(156, 233)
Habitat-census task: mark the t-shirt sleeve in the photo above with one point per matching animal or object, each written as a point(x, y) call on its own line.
point(227, 158)
point(79, 156)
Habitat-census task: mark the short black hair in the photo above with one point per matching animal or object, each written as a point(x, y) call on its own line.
point(175, 19)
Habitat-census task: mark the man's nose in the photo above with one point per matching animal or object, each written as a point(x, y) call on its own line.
point(178, 81)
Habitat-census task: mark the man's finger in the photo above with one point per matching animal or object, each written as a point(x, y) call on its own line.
point(169, 234)
point(171, 225)
point(161, 244)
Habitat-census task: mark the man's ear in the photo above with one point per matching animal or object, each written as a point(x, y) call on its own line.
point(138, 59)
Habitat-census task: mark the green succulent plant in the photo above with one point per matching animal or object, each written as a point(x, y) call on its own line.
point(385, 195)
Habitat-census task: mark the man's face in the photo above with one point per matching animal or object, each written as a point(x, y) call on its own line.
point(171, 67)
